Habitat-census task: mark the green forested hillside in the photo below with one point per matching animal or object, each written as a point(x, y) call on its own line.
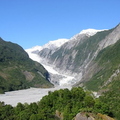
point(18, 71)
point(107, 80)
point(112, 97)
point(109, 62)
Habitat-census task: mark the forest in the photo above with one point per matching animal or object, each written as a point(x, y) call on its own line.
point(61, 104)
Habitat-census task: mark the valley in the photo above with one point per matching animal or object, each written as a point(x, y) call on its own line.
point(66, 72)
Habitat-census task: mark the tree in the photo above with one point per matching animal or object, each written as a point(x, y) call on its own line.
point(89, 101)
point(33, 117)
point(19, 108)
point(77, 93)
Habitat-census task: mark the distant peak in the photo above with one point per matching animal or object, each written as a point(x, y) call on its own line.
point(90, 32)
point(55, 43)
point(50, 45)
point(35, 48)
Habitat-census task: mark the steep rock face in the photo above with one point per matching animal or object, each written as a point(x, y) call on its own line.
point(105, 68)
point(75, 55)
point(113, 37)
point(95, 71)
point(64, 57)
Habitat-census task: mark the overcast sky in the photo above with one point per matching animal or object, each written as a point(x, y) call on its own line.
point(35, 22)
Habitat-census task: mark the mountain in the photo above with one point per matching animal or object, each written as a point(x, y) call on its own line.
point(42, 54)
point(107, 63)
point(18, 71)
point(74, 62)
point(105, 77)
point(71, 59)
point(90, 60)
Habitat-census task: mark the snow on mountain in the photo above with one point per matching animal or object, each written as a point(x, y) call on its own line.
point(34, 49)
point(86, 32)
point(33, 55)
point(50, 45)
point(59, 42)
point(55, 43)
point(90, 32)
point(32, 52)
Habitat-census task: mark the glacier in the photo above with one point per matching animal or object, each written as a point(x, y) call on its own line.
point(65, 79)
point(62, 78)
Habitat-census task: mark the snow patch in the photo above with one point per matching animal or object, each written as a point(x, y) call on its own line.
point(50, 45)
point(90, 32)
point(33, 56)
point(55, 43)
point(35, 48)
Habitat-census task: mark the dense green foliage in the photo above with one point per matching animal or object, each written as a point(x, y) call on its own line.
point(112, 97)
point(108, 60)
point(18, 71)
point(58, 104)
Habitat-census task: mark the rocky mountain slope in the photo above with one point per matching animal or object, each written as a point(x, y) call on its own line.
point(18, 71)
point(105, 69)
point(76, 56)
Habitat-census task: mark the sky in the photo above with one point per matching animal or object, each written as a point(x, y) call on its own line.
point(36, 22)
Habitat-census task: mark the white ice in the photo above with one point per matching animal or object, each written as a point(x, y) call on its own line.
point(66, 80)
